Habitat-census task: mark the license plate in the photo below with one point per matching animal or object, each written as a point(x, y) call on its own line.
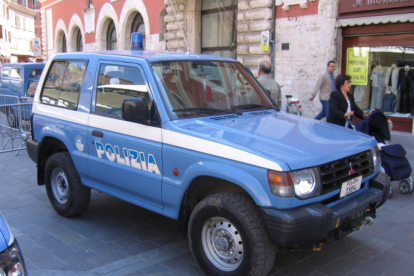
point(351, 186)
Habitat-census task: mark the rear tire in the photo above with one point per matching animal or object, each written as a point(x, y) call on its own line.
point(68, 196)
point(228, 236)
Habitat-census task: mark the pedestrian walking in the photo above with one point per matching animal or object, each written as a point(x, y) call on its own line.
point(325, 84)
point(268, 83)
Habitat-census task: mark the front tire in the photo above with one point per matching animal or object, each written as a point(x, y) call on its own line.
point(68, 196)
point(228, 236)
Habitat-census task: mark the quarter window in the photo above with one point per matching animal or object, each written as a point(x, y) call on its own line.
point(115, 83)
point(63, 83)
point(5, 73)
point(15, 73)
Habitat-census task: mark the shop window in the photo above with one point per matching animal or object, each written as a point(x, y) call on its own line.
point(219, 28)
point(111, 37)
point(380, 77)
point(1, 31)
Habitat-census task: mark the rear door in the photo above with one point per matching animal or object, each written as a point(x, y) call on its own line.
point(125, 160)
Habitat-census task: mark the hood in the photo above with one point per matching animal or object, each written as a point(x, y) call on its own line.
point(298, 141)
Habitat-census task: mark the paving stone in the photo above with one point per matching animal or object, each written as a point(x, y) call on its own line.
point(137, 249)
point(176, 263)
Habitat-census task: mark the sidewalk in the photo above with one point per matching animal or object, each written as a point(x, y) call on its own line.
point(114, 237)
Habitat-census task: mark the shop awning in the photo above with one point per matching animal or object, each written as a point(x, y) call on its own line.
point(393, 18)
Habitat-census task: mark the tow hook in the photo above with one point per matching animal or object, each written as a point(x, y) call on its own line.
point(368, 221)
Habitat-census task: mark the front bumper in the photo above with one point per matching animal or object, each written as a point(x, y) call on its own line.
point(314, 223)
point(33, 149)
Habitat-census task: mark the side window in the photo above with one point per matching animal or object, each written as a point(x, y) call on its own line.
point(63, 84)
point(115, 83)
point(31, 89)
point(15, 73)
point(5, 73)
point(36, 72)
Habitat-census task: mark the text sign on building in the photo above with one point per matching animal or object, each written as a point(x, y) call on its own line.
point(37, 49)
point(366, 5)
point(265, 40)
point(357, 65)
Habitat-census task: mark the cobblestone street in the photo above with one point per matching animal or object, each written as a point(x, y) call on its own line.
point(117, 238)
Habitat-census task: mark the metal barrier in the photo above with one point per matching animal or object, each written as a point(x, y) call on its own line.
point(14, 122)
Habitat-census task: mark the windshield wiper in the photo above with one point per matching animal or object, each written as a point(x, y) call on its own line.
point(206, 109)
point(256, 105)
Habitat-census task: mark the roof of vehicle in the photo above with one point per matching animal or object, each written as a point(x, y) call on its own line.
point(152, 56)
point(35, 65)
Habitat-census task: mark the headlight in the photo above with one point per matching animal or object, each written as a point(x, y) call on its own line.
point(376, 157)
point(306, 183)
point(11, 261)
point(302, 183)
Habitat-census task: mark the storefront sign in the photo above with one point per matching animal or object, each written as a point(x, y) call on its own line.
point(367, 5)
point(357, 65)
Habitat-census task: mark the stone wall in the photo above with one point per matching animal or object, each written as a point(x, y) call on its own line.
point(253, 17)
point(312, 43)
point(174, 36)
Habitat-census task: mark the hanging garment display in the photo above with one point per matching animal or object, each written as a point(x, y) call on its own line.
point(410, 75)
point(378, 83)
point(359, 94)
point(388, 102)
point(404, 86)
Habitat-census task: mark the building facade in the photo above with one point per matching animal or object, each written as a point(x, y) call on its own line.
point(305, 34)
point(17, 29)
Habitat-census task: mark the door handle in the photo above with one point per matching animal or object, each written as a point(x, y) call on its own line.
point(97, 133)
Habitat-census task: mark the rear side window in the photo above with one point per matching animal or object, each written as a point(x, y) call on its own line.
point(37, 72)
point(15, 73)
point(31, 89)
point(116, 83)
point(5, 73)
point(63, 83)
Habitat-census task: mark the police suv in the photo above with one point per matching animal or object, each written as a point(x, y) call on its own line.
point(195, 138)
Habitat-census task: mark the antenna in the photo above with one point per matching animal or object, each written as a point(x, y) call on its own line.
point(185, 40)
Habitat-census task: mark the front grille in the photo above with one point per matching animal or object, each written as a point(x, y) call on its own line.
point(335, 173)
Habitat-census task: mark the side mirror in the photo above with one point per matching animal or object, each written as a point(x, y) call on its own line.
point(135, 110)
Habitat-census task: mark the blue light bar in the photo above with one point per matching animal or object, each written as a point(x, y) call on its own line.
point(136, 41)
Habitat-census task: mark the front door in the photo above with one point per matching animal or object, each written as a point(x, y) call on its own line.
point(125, 158)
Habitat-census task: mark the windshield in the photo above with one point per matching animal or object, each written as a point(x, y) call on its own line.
point(205, 88)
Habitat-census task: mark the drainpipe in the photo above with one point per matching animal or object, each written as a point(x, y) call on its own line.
point(273, 38)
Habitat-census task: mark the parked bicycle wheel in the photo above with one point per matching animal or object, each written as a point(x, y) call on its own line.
point(294, 109)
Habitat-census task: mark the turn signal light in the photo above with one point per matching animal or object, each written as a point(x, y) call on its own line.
point(280, 183)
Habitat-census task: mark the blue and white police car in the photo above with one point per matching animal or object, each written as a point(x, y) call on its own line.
point(195, 138)
point(11, 259)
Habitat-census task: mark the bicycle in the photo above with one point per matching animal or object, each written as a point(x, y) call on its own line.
point(292, 106)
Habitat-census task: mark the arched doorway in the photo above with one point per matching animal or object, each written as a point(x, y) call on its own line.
point(111, 38)
point(219, 28)
point(138, 26)
point(64, 48)
point(79, 42)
